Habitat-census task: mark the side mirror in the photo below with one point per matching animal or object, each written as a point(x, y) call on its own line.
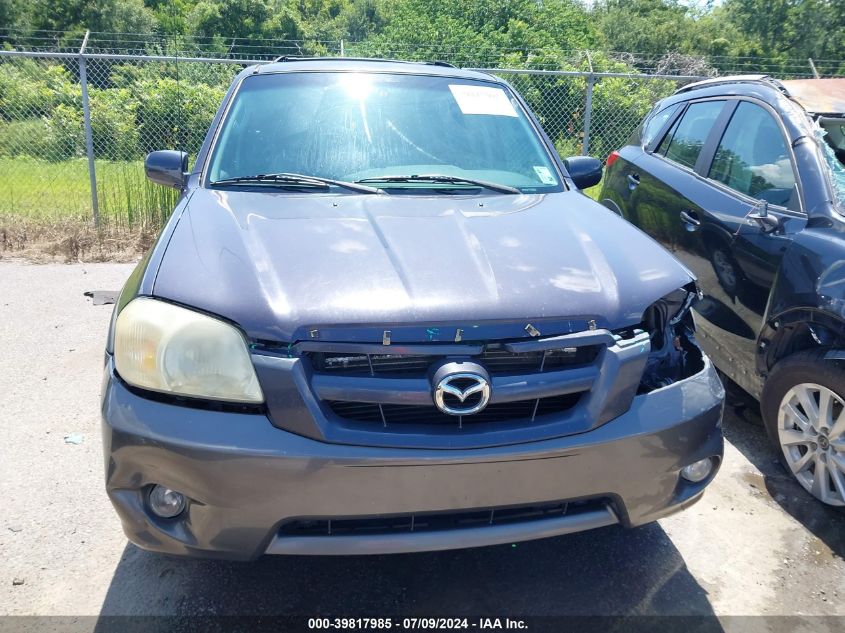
point(585, 171)
point(167, 167)
point(760, 213)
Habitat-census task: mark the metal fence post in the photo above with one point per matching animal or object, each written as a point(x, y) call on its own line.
point(588, 112)
point(89, 137)
point(588, 106)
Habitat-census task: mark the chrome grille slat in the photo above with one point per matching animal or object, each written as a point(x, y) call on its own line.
point(497, 360)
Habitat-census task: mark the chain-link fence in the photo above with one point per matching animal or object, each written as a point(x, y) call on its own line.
point(590, 113)
point(71, 123)
point(76, 125)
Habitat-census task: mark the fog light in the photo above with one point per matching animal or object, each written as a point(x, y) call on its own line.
point(166, 503)
point(698, 471)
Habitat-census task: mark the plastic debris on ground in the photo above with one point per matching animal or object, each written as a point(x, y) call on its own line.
point(73, 438)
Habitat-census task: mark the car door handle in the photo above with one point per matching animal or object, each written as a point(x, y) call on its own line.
point(690, 219)
point(633, 181)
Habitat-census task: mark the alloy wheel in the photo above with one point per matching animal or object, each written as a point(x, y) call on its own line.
point(811, 432)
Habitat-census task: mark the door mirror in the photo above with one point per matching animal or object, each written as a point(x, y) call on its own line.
point(585, 171)
point(760, 213)
point(167, 167)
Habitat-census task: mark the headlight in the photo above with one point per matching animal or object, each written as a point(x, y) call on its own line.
point(162, 347)
point(674, 354)
point(667, 312)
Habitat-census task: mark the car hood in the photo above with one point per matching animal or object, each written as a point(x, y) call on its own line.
point(281, 265)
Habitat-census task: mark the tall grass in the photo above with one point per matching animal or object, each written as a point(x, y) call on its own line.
point(43, 190)
point(46, 209)
point(35, 189)
point(128, 200)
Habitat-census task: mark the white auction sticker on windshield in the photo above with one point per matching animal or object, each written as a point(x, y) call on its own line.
point(482, 100)
point(544, 175)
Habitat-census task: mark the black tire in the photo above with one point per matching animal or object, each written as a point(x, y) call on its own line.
point(809, 366)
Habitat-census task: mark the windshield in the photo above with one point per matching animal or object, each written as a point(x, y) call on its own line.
point(362, 126)
point(833, 134)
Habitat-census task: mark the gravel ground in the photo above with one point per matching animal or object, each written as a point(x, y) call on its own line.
point(756, 544)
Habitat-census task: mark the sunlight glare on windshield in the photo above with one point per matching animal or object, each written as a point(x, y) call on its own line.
point(358, 86)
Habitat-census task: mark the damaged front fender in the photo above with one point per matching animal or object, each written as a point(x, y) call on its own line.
point(674, 355)
point(807, 305)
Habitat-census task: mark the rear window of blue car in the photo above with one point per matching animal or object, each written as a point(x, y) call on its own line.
point(684, 142)
point(655, 122)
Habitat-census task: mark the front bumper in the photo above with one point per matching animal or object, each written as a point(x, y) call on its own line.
point(247, 478)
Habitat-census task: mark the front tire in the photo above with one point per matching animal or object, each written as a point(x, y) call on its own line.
point(803, 405)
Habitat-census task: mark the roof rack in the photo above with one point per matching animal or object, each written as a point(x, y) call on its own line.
point(295, 58)
point(734, 79)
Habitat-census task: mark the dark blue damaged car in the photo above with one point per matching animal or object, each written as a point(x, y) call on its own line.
point(382, 318)
point(743, 178)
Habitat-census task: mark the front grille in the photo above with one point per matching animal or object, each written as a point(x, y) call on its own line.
point(405, 414)
point(496, 359)
point(438, 521)
point(388, 364)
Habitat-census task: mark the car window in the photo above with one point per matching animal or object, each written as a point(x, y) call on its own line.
point(753, 159)
point(357, 125)
point(684, 142)
point(664, 144)
point(655, 122)
point(832, 133)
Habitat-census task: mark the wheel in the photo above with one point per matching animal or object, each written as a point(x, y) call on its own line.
point(726, 269)
point(803, 406)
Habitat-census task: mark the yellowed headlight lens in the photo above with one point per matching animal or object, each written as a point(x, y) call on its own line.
point(164, 347)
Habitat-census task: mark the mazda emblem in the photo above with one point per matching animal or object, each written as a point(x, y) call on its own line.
point(462, 393)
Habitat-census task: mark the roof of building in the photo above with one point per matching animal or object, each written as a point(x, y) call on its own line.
point(819, 96)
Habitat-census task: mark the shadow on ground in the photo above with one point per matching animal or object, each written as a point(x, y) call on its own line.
point(744, 429)
point(608, 571)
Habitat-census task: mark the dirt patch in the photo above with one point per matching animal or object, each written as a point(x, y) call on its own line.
point(756, 481)
point(72, 240)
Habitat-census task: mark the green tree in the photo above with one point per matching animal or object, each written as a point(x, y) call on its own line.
point(231, 18)
point(654, 28)
point(171, 15)
point(361, 19)
point(257, 26)
point(10, 13)
point(789, 28)
point(111, 16)
point(481, 31)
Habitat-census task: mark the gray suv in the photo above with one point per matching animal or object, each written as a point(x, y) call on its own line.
point(383, 318)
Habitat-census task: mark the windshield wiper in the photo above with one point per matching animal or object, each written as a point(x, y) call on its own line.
point(296, 180)
point(438, 178)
